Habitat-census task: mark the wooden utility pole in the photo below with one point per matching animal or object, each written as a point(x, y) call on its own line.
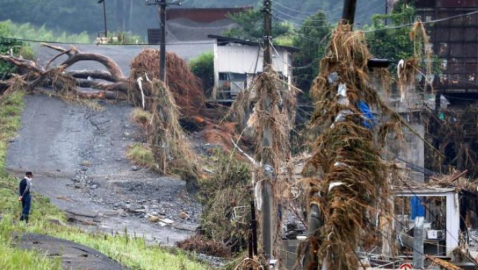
point(104, 15)
point(162, 46)
point(267, 142)
point(315, 216)
point(348, 13)
point(162, 26)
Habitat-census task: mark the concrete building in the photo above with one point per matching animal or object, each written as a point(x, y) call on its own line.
point(237, 62)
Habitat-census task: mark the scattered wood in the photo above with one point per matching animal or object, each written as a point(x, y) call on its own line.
point(442, 263)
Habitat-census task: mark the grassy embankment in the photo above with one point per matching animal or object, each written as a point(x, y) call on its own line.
point(132, 252)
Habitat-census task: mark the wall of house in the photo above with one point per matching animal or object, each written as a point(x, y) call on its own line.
point(236, 58)
point(409, 104)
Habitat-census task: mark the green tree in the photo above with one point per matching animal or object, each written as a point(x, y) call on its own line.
point(393, 44)
point(312, 40)
point(11, 46)
point(203, 67)
point(251, 26)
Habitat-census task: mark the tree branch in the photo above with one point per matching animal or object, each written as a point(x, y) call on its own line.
point(95, 74)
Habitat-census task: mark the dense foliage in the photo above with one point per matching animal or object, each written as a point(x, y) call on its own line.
point(203, 67)
point(393, 44)
point(135, 16)
point(11, 46)
point(226, 198)
point(252, 26)
point(30, 32)
point(312, 41)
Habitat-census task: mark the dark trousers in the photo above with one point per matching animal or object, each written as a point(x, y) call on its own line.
point(26, 203)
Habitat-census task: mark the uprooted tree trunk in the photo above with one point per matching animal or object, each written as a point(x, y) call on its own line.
point(69, 83)
point(165, 135)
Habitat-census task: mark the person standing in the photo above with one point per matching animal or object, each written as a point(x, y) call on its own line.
point(24, 195)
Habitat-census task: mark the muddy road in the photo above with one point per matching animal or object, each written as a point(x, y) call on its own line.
point(79, 158)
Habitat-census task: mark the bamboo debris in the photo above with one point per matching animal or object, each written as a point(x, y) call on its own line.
point(272, 119)
point(422, 50)
point(444, 264)
point(346, 168)
point(171, 149)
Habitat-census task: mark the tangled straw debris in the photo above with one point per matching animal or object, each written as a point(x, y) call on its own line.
point(184, 85)
point(348, 176)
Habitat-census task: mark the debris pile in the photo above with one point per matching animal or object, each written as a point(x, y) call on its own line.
point(202, 245)
point(456, 131)
point(348, 180)
point(184, 85)
point(225, 196)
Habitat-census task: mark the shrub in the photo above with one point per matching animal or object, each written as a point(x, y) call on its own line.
point(203, 67)
point(226, 189)
point(141, 155)
point(141, 117)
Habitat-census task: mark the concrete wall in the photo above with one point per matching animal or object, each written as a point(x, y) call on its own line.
point(412, 149)
point(242, 59)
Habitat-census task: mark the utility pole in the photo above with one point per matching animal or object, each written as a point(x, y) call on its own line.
point(315, 216)
point(162, 26)
point(104, 15)
point(162, 46)
point(348, 13)
point(267, 142)
point(267, 32)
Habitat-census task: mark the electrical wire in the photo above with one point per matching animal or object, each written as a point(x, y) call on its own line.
point(98, 44)
point(302, 19)
point(427, 22)
point(301, 67)
point(304, 12)
point(296, 23)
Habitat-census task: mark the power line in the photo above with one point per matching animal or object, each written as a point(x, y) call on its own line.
point(298, 24)
point(305, 12)
point(301, 67)
point(426, 22)
point(309, 38)
point(98, 44)
point(300, 19)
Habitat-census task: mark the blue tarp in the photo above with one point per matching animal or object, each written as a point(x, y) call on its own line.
point(418, 209)
point(365, 110)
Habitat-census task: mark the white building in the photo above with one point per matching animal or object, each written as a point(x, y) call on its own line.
point(237, 62)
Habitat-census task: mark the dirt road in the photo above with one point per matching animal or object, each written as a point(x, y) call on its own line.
point(78, 157)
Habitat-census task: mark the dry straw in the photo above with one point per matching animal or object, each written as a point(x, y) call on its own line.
point(184, 85)
point(346, 168)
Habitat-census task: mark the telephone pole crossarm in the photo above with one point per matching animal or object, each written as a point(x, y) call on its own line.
point(162, 26)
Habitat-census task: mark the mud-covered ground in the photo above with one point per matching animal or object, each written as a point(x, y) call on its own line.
point(79, 158)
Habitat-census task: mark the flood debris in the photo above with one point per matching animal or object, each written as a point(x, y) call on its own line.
point(347, 176)
point(442, 263)
point(183, 84)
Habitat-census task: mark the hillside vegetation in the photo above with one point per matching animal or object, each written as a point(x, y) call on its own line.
point(135, 16)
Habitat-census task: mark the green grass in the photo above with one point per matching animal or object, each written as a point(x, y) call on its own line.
point(141, 117)
point(28, 31)
point(141, 155)
point(130, 251)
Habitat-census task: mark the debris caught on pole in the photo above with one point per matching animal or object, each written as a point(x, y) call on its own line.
point(267, 142)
